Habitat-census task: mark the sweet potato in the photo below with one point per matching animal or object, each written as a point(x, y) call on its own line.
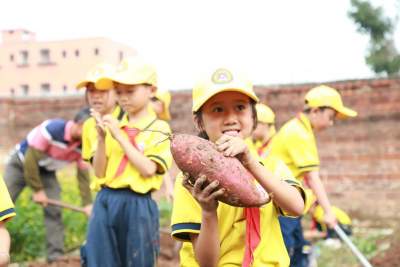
point(197, 156)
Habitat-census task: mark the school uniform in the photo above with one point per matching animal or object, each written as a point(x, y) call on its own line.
point(233, 222)
point(7, 210)
point(295, 145)
point(124, 227)
point(89, 134)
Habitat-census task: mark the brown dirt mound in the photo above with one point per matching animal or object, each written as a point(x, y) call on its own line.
point(390, 258)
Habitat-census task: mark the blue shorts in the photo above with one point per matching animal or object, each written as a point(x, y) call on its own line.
point(123, 230)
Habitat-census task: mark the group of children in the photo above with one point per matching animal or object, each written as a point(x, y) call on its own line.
point(126, 142)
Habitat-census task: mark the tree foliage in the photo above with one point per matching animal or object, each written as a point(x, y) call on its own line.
point(382, 55)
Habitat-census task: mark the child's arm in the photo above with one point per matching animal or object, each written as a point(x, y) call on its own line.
point(284, 195)
point(206, 244)
point(318, 188)
point(143, 164)
point(99, 158)
point(4, 245)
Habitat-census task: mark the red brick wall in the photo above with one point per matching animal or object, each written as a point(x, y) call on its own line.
point(360, 157)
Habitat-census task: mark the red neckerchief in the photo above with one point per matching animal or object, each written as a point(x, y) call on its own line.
point(253, 234)
point(260, 149)
point(132, 133)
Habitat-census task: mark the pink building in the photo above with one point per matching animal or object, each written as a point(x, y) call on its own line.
point(32, 68)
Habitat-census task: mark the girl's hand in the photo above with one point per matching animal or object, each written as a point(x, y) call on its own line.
point(100, 127)
point(112, 124)
point(205, 195)
point(234, 146)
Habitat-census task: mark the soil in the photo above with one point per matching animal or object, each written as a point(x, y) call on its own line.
point(389, 258)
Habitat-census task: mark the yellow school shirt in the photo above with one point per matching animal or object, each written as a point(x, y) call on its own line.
point(295, 144)
point(6, 205)
point(89, 134)
point(271, 251)
point(154, 145)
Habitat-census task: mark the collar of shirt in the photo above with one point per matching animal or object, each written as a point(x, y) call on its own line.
point(305, 121)
point(142, 123)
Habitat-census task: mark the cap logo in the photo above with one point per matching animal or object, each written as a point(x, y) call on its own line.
point(222, 76)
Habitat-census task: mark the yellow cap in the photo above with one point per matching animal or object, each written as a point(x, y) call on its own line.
point(165, 97)
point(265, 114)
point(131, 71)
point(98, 71)
point(220, 81)
point(325, 96)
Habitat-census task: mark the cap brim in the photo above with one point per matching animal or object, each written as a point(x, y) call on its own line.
point(82, 84)
point(104, 83)
point(344, 112)
point(217, 91)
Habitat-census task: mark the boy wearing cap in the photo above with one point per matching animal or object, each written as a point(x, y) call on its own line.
point(295, 144)
point(102, 101)
point(6, 213)
point(50, 146)
point(265, 129)
point(131, 158)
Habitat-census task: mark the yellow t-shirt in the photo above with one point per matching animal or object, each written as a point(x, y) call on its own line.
point(6, 205)
point(271, 251)
point(89, 134)
point(154, 145)
point(295, 144)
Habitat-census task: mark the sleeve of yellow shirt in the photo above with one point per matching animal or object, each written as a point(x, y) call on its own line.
point(7, 210)
point(303, 151)
point(280, 170)
point(89, 139)
point(159, 149)
point(186, 213)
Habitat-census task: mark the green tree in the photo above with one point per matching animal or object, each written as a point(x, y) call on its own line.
point(382, 55)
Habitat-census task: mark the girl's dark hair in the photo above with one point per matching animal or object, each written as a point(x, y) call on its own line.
point(82, 115)
point(199, 119)
point(307, 108)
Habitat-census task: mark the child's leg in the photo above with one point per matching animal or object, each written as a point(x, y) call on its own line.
point(138, 230)
point(101, 246)
point(53, 217)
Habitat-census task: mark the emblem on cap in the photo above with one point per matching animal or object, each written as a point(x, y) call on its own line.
point(221, 76)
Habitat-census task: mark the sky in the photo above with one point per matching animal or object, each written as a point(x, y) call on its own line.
point(272, 42)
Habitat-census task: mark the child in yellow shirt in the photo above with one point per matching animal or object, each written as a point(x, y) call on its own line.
point(6, 213)
point(217, 234)
point(265, 129)
point(130, 162)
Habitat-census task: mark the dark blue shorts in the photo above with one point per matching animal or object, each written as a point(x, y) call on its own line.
point(123, 230)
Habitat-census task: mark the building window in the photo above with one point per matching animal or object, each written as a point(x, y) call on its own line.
point(64, 54)
point(121, 55)
point(65, 88)
point(11, 57)
point(77, 53)
point(12, 91)
point(25, 89)
point(23, 58)
point(45, 88)
point(44, 56)
point(96, 52)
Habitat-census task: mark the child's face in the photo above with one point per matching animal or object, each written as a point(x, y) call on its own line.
point(322, 118)
point(227, 113)
point(102, 101)
point(133, 98)
point(261, 132)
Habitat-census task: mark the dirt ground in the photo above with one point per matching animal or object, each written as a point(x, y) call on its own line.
point(389, 258)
